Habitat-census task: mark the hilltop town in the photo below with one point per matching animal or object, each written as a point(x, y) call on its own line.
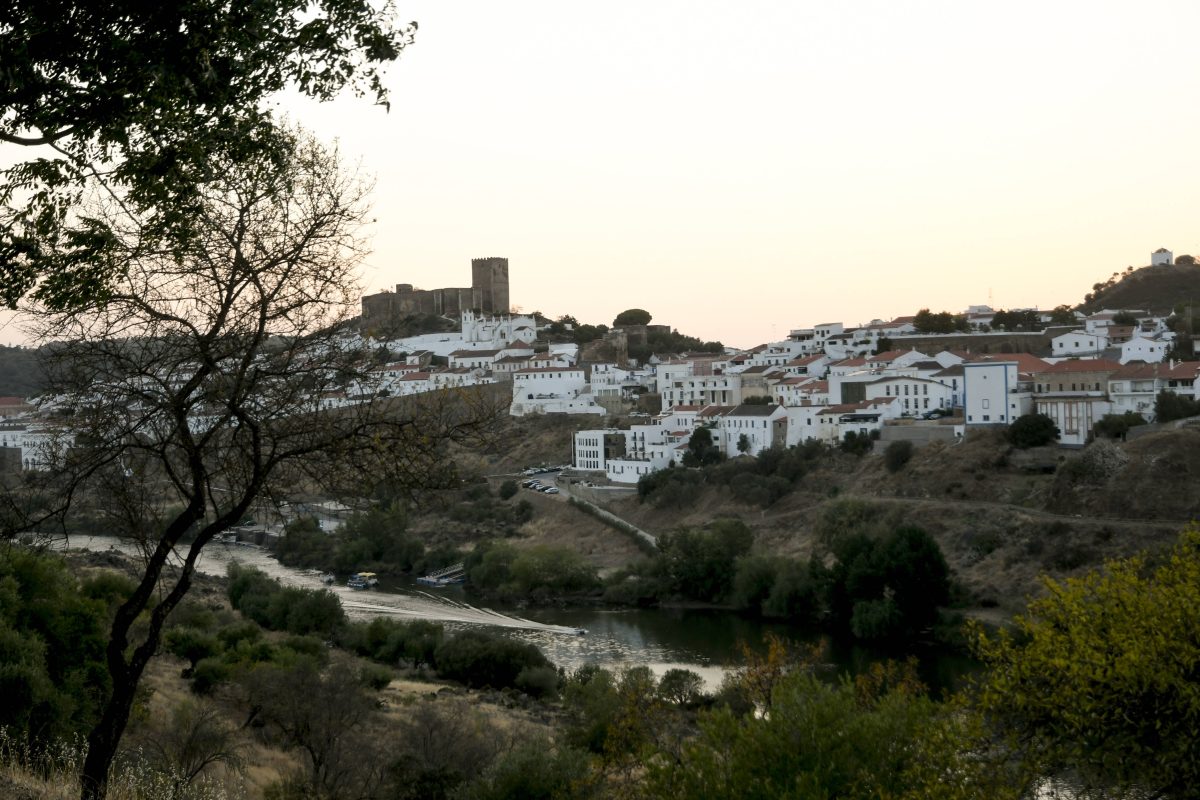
point(921, 378)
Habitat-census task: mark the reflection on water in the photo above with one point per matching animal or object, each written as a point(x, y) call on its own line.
point(704, 641)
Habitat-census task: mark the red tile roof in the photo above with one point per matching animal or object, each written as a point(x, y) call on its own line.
point(1080, 365)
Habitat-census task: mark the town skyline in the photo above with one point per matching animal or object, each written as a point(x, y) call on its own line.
point(760, 166)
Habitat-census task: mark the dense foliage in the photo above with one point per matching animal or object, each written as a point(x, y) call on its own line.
point(149, 100)
point(757, 481)
point(1170, 406)
point(1099, 681)
point(1032, 430)
point(927, 321)
point(1115, 426)
point(53, 630)
point(500, 569)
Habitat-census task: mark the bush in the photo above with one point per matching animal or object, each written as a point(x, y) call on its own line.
point(538, 681)
point(374, 676)
point(507, 489)
point(897, 454)
point(480, 659)
point(1115, 426)
point(1032, 430)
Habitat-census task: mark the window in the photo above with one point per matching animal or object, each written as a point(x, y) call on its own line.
point(987, 418)
point(987, 404)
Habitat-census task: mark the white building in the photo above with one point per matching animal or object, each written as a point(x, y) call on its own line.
point(763, 426)
point(993, 392)
point(1134, 387)
point(1140, 348)
point(1161, 257)
point(552, 390)
point(1078, 343)
point(915, 395)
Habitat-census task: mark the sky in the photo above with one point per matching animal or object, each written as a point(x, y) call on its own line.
point(742, 169)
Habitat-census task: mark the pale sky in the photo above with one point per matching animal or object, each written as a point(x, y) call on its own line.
point(741, 169)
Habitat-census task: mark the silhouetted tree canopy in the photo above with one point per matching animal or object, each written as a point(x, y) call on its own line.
point(144, 101)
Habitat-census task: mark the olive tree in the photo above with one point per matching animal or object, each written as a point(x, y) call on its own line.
point(213, 377)
point(153, 100)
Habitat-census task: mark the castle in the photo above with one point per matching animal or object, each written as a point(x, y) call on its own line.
point(488, 293)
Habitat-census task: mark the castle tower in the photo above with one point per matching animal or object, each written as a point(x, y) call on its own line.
point(489, 284)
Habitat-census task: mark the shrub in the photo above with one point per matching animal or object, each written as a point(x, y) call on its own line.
point(507, 489)
point(897, 454)
point(480, 659)
point(374, 676)
point(1032, 430)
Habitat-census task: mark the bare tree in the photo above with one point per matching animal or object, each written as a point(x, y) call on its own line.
point(208, 378)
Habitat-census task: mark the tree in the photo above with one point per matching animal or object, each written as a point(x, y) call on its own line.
point(1032, 430)
point(1099, 679)
point(743, 444)
point(150, 104)
point(1062, 315)
point(1115, 426)
point(632, 316)
point(926, 321)
point(1124, 318)
point(1170, 406)
point(194, 388)
point(701, 449)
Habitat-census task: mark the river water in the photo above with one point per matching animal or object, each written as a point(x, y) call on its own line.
point(705, 641)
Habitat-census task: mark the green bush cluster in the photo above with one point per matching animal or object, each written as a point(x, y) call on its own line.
point(500, 569)
point(758, 481)
point(473, 657)
point(878, 586)
point(53, 632)
point(284, 608)
point(376, 540)
point(481, 659)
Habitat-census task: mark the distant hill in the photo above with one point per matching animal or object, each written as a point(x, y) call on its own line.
point(20, 372)
point(1159, 289)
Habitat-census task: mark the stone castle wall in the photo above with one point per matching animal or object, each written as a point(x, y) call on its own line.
point(488, 293)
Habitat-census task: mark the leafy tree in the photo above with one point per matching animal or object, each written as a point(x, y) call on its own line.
point(701, 564)
point(864, 739)
point(1025, 319)
point(1124, 318)
point(1032, 430)
point(926, 321)
point(1115, 426)
point(1099, 679)
point(1062, 315)
point(1170, 406)
point(52, 675)
point(857, 444)
point(481, 659)
point(194, 385)
point(632, 316)
point(743, 444)
point(701, 449)
point(152, 104)
point(507, 489)
point(887, 589)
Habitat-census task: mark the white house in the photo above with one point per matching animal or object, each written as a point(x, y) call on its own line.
point(1134, 387)
point(1078, 343)
point(1140, 348)
point(915, 395)
point(552, 390)
point(1161, 257)
point(762, 426)
point(1074, 394)
point(993, 392)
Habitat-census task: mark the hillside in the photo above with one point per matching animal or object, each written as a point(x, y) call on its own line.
point(1001, 526)
point(1159, 289)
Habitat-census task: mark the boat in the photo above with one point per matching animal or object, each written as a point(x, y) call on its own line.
point(362, 580)
point(327, 578)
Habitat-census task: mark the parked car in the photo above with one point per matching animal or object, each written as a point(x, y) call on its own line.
point(551, 490)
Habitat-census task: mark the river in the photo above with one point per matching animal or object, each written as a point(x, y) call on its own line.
point(704, 641)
